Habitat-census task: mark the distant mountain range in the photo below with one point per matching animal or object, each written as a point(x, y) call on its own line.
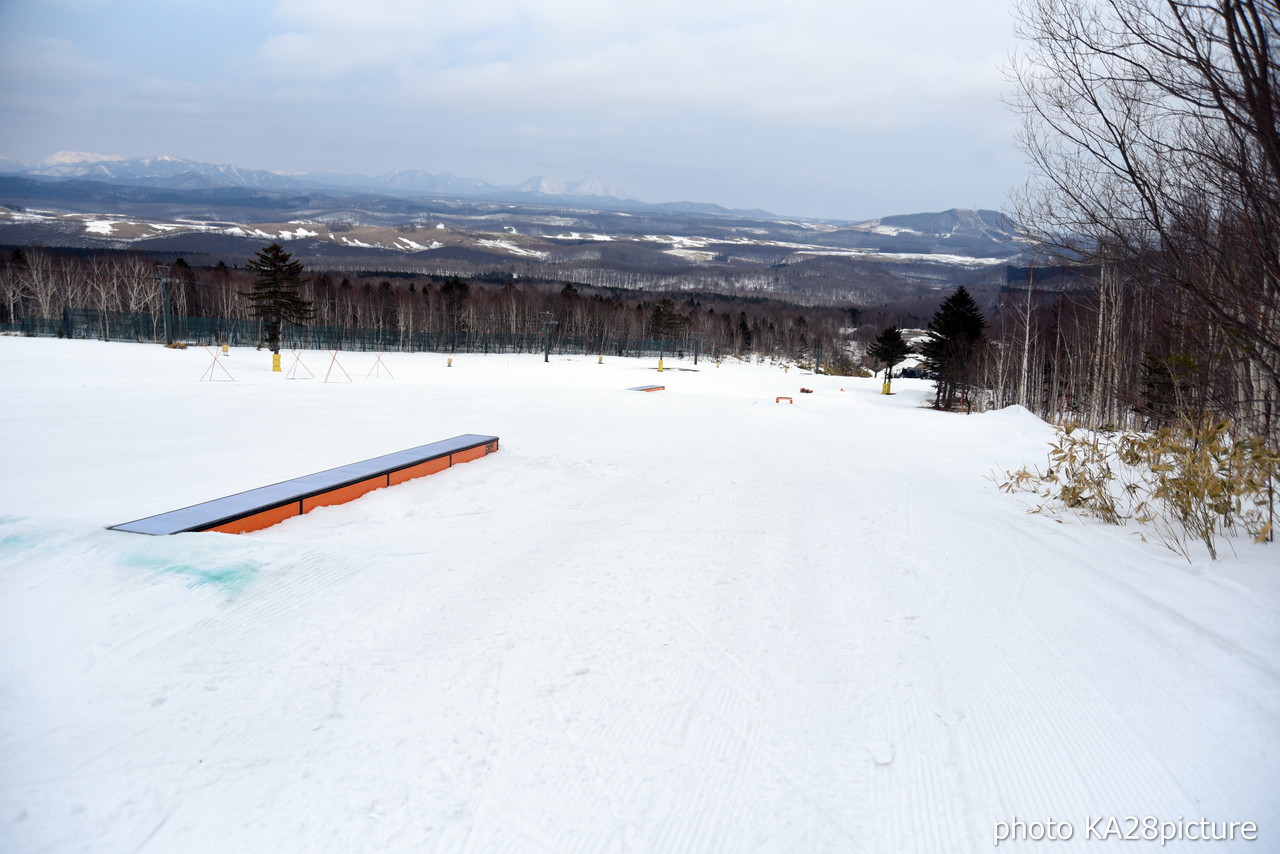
point(177, 173)
point(442, 224)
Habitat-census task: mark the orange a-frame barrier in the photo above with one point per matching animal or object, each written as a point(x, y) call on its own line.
point(265, 506)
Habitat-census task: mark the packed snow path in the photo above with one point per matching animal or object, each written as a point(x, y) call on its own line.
point(693, 620)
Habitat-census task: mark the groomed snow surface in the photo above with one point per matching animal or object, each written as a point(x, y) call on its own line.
point(684, 621)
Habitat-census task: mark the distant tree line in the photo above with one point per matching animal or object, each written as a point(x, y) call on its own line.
point(114, 294)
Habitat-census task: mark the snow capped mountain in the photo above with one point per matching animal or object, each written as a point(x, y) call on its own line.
point(421, 181)
point(169, 172)
point(411, 181)
point(162, 171)
point(538, 184)
point(64, 158)
point(548, 187)
point(991, 225)
point(594, 187)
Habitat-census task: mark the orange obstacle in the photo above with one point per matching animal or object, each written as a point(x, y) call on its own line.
point(648, 388)
point(267, 505)
point(780, 398)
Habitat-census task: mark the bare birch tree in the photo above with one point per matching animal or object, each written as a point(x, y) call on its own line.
point(1154, 126)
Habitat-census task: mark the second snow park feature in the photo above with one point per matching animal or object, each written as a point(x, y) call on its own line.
point(260, 508)
point(648, 388)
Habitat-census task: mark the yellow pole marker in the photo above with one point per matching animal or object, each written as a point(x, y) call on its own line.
point(226, 350)
point(884, 389)
point(600, 361)
point(659, 364)
point(450, 365)
point(275, 362)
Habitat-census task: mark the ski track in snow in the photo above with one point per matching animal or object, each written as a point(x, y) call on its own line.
point(693, 620)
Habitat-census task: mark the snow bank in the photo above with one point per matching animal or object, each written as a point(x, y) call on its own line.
point(1018, 421)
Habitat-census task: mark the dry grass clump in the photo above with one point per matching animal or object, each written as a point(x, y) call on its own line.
point(1187, 482)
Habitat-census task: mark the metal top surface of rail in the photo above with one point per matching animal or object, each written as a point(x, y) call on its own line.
point(208, 514)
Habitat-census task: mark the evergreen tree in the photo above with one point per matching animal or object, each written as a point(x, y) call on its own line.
point(948, 355)
point(889, 349)
point(664, 320)
point(275, 298)
point(455, 292)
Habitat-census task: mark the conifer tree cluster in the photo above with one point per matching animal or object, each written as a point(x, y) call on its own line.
point(888, 349)
point(949, 356)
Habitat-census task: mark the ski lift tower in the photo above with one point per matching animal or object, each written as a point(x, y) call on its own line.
point(548, 320)
point(697, 344)
point(164, 280)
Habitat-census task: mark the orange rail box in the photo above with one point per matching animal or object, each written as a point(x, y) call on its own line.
point(265, 506)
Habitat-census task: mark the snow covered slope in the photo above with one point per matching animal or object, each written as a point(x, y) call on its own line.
point(695, 620)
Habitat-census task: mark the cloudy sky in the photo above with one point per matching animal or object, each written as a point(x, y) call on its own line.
point(826, 108)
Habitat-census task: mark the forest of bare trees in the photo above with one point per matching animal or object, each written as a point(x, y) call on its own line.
point(1113, 355)
point(121, 296)
point(1154, 127)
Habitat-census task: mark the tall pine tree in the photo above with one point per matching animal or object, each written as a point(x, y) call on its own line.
point(664, 320)
point(950, 353)
point(275, 299)
point(888, 349)
point(455, 292)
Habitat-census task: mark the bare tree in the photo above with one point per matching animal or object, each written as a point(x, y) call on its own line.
point(39, 284)
point(1153, 126)
point(14, 267)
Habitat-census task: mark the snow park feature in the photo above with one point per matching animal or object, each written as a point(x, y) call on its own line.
point(683, 622)
point(269, 505)
point(297, 367)
point(334, 363)
point(211, 373)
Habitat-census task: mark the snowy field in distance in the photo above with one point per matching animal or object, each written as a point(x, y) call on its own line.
point(686, 621)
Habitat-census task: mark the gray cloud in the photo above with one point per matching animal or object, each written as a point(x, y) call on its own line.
point(790, 105)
